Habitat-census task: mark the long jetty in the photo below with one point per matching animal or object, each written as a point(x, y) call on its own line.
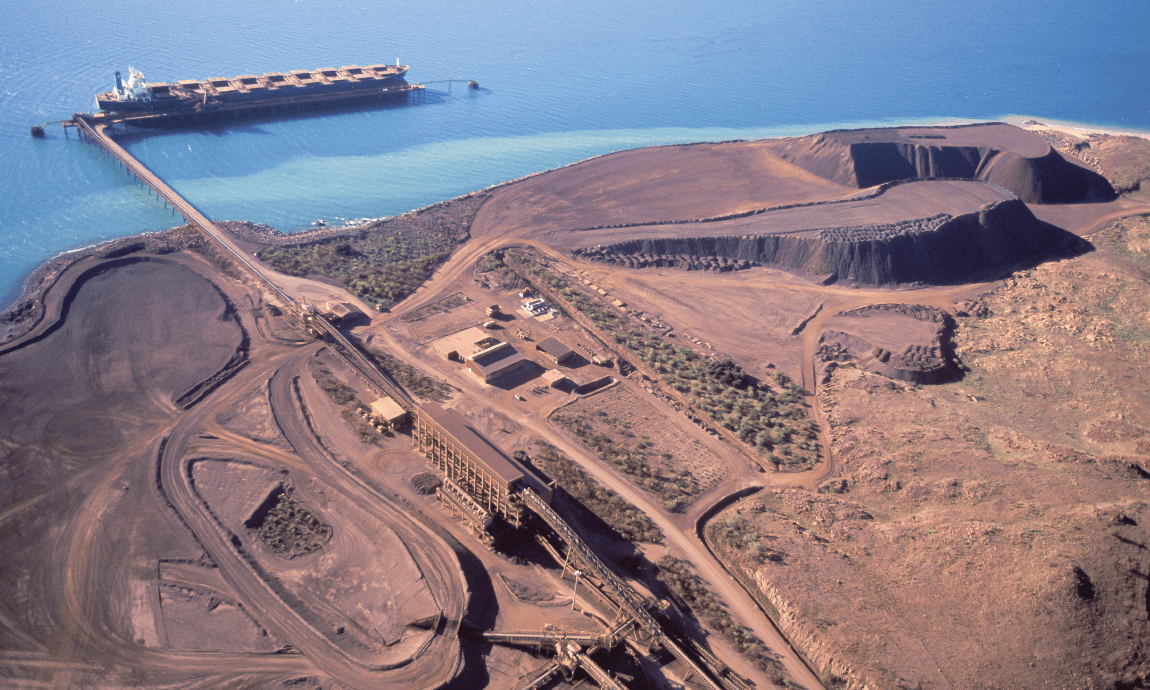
point(631, 605)
point(96, 133)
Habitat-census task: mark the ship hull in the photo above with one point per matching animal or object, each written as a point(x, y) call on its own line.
point(267, 110)
point(190, 101)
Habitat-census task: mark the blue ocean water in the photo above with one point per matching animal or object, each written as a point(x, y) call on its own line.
point(561, 81)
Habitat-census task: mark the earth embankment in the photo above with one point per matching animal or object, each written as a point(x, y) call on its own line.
point(936, 250)
point(1017, 160)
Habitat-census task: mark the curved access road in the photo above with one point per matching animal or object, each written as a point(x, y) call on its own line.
point(435, 664)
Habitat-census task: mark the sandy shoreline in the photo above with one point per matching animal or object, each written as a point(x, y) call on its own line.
point(1078, 129)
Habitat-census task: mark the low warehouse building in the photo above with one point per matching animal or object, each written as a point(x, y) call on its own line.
point(341, 311)
point(556, 378)
point(387, 410)
point(496, 362)
point(459, 346)
point(555, 350)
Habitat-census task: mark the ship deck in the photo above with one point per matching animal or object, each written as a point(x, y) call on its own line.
point(190, 101)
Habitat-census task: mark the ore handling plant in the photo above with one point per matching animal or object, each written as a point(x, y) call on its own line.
point(492, 492)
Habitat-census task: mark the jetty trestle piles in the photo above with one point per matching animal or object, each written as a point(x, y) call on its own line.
point(92, 128)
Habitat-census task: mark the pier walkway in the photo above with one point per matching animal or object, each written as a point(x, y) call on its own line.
point(91, 128)
point(96, 133)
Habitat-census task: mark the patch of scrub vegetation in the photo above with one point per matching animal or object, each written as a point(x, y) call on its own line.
point(338, 391)
point(691, 591)
point(769, 418)
point(613, 442)
point(734, 532)
point(1125, 162)
point(411, 378)
point(496, 274)
point(345, 396)
point(287, 527)
point(442, 306)
point(1130, 237)
point(627, 521)
point(388, 259)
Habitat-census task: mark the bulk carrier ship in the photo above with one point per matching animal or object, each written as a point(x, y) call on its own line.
point(159, 104)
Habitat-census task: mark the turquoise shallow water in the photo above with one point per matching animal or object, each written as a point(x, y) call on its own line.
point(560, 82)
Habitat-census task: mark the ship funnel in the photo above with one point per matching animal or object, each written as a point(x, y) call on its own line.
point(119, 82)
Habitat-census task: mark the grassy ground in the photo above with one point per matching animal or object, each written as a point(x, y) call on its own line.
point(628, 522)
point(611, 440)
point(389, 259)
point(767, 416)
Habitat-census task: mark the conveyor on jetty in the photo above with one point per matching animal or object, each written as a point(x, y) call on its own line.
point(630, 601)
point(96, 134)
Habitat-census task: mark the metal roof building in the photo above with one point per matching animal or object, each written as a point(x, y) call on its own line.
point(471, 463)
point(389, 411)
point(556, 350)
point(495, 362)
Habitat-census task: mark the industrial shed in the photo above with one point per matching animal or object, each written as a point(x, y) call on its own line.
point(387, 410)
point(468, 461)
point(555, 350)
point(556, 378)
point(459, 346)
point(496, 362)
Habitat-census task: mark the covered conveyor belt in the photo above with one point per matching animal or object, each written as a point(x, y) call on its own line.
point(369, 370)
point(630, 600)
point(601, 677)
point(543, 678)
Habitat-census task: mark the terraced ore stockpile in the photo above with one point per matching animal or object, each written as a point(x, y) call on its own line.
point(926, 363)
point(993, 153)
point(935, 250)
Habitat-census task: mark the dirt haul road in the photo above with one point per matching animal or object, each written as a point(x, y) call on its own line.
point(436, 663)
point(99, 560)
point(676, 528)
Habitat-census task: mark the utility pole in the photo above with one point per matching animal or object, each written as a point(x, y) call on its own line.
point(575, 588)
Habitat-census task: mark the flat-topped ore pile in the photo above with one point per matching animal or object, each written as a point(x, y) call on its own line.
point(943, 205)
point(1001, 154)
point(924, 353)
point(938, 249)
